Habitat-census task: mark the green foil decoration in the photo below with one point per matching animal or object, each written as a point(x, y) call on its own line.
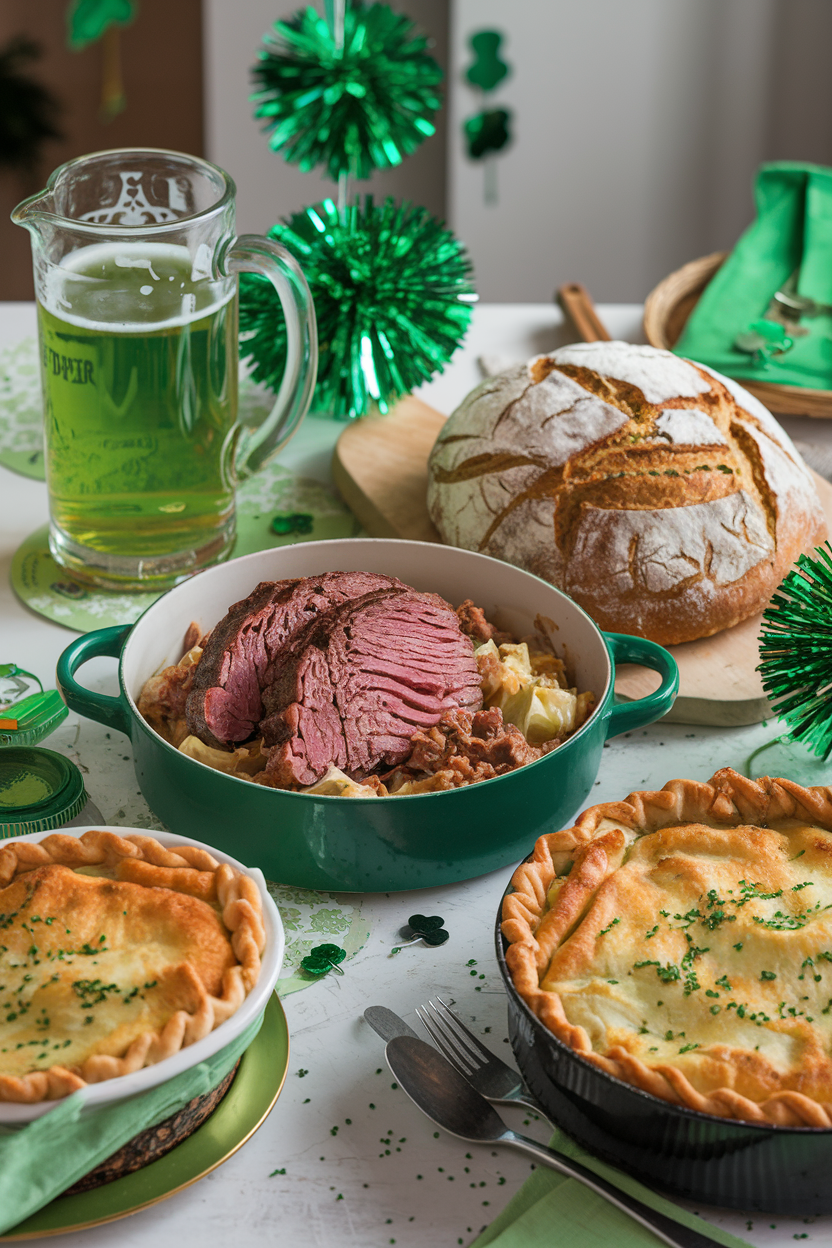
point(796, 651)
point(352, 109)
point(393, 299)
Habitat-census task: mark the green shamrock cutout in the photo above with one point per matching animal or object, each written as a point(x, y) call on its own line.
point(488, 70)
point(285, 523)
point(323, 958)
point(429, 928)
point(763, 340)
point(87, 20)
point(487, 132)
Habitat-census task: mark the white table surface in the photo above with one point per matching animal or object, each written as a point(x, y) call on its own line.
point(358, 1187)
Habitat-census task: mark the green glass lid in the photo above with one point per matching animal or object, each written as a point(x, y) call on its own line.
point(39, 790)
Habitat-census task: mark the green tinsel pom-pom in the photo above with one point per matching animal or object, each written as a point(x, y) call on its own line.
point(796, 651)
point(352, 109)
point(393, 299)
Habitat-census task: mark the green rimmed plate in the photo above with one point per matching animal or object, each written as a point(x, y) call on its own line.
point(251, 1097)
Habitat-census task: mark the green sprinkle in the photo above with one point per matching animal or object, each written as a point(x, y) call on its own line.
point(604, 930)
point(769, 975)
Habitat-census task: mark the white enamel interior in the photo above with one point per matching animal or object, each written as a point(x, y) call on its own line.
point(510, 597)
point(112, 1090)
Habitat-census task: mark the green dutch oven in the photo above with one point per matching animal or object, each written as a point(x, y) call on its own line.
point(370, 844)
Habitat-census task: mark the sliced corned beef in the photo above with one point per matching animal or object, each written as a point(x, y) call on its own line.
point(359, 681)
point(244, 652)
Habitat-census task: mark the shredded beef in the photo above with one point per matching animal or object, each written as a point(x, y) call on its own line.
point(473, 622)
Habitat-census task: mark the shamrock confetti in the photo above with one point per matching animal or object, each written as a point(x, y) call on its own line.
point(286, 523)
point(323, 958)
point(429, 928)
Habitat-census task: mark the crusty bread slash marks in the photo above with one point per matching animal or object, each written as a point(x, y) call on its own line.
point(663, 497)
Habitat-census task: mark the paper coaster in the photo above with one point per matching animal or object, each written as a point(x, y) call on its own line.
point(275, 491)
point(310, 919)
point(21, 409)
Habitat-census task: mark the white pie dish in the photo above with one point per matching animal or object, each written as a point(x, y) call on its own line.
point(111, 1091)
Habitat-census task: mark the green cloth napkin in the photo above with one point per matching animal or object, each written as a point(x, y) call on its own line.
point(792, 234)
point(41, 1159)
point(550, 1208)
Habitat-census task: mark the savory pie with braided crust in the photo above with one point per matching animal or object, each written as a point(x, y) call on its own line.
point(115, 953)
point(681, 940)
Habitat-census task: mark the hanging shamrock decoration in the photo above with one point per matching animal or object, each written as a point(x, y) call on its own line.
point(323, 958)
point(27, 110)
point(393, 296)
point(488, 131)
point(796, 651)
point(352, 108)
point(90, 20)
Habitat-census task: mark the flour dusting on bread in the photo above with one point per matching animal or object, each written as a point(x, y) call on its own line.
point(663, 497)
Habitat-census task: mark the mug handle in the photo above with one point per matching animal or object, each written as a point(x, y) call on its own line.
point(252, 253)
point(107, 642)
point(628, 715)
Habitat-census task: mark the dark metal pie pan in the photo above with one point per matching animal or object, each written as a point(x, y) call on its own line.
point(699, 1157)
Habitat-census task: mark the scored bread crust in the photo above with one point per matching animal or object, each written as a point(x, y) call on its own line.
point(185, 869)
point(684, 812)
point(660, 495)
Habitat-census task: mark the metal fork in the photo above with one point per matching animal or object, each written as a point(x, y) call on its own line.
point(490, 1075)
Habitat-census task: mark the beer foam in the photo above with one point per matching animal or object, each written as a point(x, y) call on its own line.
point(180, 305)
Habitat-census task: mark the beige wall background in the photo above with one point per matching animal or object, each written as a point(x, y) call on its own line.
point(639, 124)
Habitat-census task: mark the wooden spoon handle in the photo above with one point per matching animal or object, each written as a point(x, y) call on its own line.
point(576, 302)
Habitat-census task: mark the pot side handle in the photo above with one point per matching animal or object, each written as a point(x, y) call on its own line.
point(628, 715)
point(104, 642)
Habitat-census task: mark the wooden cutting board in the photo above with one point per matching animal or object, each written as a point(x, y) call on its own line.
point(380, 467)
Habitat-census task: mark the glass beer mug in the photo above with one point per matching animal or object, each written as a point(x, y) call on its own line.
point(136, 262)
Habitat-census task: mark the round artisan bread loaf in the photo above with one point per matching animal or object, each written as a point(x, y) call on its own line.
point(660, 495)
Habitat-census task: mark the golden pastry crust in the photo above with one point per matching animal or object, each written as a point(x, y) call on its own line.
point(681, 940)
point(116, 952)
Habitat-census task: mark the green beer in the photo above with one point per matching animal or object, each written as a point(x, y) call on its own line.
point(139, 366)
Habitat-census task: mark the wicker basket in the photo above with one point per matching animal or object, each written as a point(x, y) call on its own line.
point(668, 307)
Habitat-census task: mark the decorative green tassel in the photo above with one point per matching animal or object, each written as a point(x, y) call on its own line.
point(352, 109)
point(796, 651)
point(393, 299)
